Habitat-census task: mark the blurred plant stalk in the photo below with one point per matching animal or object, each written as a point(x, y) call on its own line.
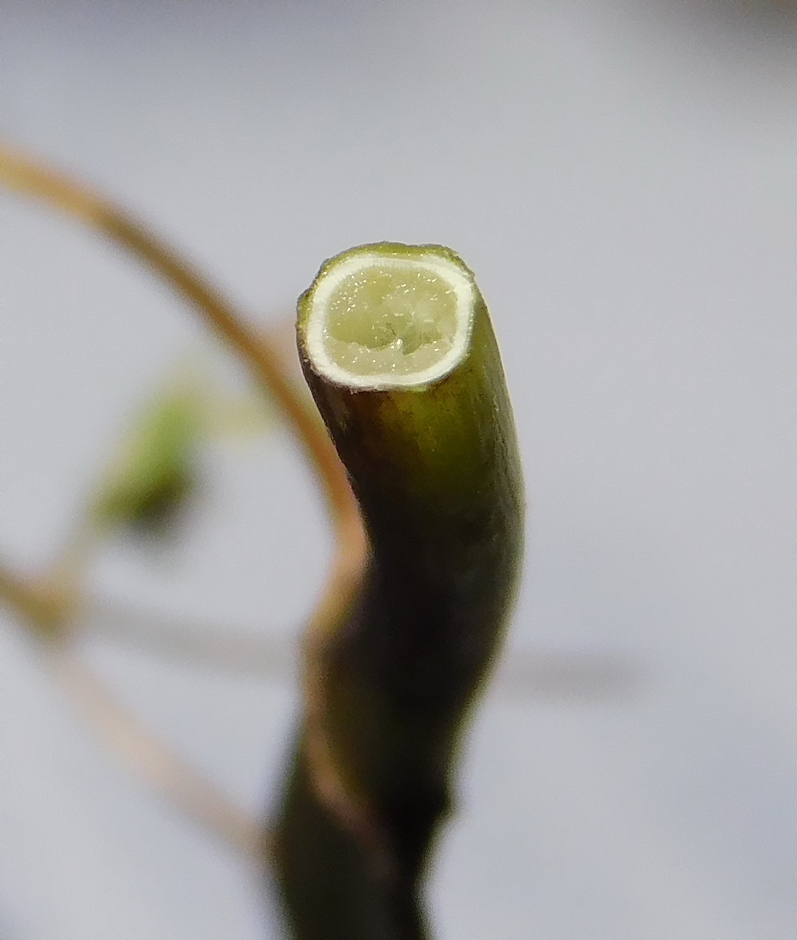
point(147, 487)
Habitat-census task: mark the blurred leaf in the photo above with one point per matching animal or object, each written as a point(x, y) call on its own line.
point(156, 470)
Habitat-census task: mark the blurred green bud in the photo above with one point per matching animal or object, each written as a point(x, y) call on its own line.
point(156, 470)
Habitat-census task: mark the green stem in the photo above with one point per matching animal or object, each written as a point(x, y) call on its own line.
point(435, 469)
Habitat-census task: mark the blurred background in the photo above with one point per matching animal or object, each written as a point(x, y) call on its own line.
point(622, 177)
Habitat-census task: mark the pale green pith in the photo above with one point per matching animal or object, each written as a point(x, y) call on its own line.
point(390, 320)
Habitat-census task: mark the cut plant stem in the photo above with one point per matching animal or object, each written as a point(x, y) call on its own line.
point(399, 353)
point(378, 321)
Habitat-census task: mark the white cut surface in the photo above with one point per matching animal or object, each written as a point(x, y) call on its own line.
point(378, 321)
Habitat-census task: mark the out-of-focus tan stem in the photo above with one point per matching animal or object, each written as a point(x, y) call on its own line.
point(24, 175)
point(29, 177)
point(43, 610)
point(48, 614)
point(156, 764)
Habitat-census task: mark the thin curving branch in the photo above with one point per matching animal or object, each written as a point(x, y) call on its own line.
point(49, 616)
point(156, 764)
point(44, 610)
point(26, 176)
point(29, 177)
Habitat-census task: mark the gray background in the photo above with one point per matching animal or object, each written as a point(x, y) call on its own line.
point(622, 176)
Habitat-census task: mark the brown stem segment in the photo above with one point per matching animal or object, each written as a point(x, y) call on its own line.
point(436, 473)
point(27, 176)
point(22, 174)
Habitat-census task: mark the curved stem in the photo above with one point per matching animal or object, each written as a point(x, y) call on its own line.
point(156, 764)
point(48, 614)
point(44, 610)
point(429, 444)
point(20, 173)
